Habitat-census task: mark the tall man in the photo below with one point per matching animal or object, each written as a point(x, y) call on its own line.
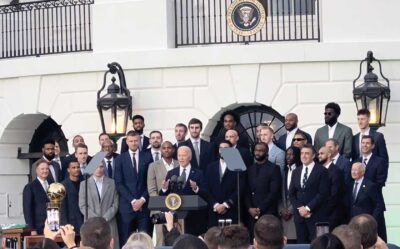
point(180, 136)
point(340, 161)
point(156, 175)
point(291, 121)
point(233, 137)
point(275, 154)
point(48, 155)
point(263, 186)
point(70, 212)
point(363, 119)
point(308, 192)
point(333, 129)
point(138, 126)
point(130, 179)
point(193, 184)
point(201, 149)
point(109, 159)
point(35, 198)
point(335, 204)
point(156, 139)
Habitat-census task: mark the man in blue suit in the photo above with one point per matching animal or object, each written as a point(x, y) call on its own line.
point(35, 198)
point(193, 184)
point(380, 150)
point(131, 184)
point(275, 154)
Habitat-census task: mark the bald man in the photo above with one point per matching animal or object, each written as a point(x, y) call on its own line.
point(291, 122)
point(193, 184)
point(233, 137)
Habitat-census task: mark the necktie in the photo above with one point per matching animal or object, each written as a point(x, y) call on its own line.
point(135, 172)
point(53, 172)
point(221, 174)
point(365, 162)
point(109, 169)
point(156, 157)
point(45, 186)
point(140, 143)
point(355, 191)
point(98, 189)
point(197, 152)
point(305, 177)
point(183, 175)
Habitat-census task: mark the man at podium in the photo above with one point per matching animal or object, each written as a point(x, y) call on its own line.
point(189, 181)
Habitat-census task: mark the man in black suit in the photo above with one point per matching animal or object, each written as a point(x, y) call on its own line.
point(109, 159)
point(35, 198)
point(340, 161)
point(363, 197)
point(156, 139)
point(291, 121)
point(48, 155)
point(70, 213)
point(336, 211)
point(138, 126)
point(80, 148)
point(193, 184)
point(180, 136)
point(363, 119)
point(233, 137)
point(222, 185)
point(308, 192)
point(131, 184)
point(263, 187)
point(201, 149)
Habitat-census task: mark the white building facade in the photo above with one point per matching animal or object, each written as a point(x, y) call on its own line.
point(171, 85)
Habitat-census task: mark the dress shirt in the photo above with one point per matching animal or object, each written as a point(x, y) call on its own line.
point(223, 166)
point(310, 168)
point(51, 168)
point(58, 160)
point(83, 168)
point(106, 160)
point(359, 181)
point(168, 167)
point(290, 136)
point(44, 183)
point(153, 154)
point(99, 184)
point(331, 130)
point(136, 157)
point(289, 174)
point(196, 140)
point(335, 158)
point(366, 157)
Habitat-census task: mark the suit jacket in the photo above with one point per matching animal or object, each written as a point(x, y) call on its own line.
point(114, 156)
point(124, 146)
point(263, 188)
point(343, 134)
point(206, 155)
point(368, 200)
point(344, 165)
point(376, 170)
point(128, 185)
point(314, 195)
point(50, 179)
point(336, 196)
point(282, 139)
point(379, 149)
point(106, 207)
point(34, 202)
point(276, 156)
point(70, 212)
point(246, 155)
point(66, 162)
point(156, 175)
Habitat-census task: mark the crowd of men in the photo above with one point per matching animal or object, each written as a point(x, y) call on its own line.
point(337, 177)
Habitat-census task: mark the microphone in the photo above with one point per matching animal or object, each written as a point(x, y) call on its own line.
point(172, 181)
point(181, 180)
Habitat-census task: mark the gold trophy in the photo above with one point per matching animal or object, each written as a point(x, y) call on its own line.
point(55, 194)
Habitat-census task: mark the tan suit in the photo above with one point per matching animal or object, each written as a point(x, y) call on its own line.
point(155, 176)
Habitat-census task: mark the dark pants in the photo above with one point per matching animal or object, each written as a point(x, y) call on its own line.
point(305, 231)
point(132, 222)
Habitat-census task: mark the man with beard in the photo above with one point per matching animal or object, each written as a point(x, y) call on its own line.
point(333, 129)
point(291, 121)
point(138, 126)
point(180, 136)
point(156, 139)
point(109, 159)
point(336, 211)
point(263, 187)
point(48, 155)
point(340, 161)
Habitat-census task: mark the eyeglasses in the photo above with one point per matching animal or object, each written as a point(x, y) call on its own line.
point(298, 139)
point(327, 113)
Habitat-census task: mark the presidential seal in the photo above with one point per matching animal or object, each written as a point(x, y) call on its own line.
point(245, 17)
point(173, 201)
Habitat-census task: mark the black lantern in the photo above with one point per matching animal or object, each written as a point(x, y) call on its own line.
point(115, 107)
point(371, 94)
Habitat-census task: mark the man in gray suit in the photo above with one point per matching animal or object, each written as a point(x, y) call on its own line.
point(156, 175)
point(333, 129)
point(102, 200)
point(275, 154)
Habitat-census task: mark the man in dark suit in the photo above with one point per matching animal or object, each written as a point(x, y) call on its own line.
point(291, 121)
point(180, 136)
point(336, 211)
point(340, 161)
point(222, 185)
point(35, 198)
point(156, 139)
point(363, 197)
point(80, 154)
point(308, 192)
point(70, 213)
point(48, 155)
point(333, 129)
point(130, 180)
point(233, 137)
point(109, 159)
point(380, 150)
point(138, 126)
point(201, 149)
point(263, 187)
point(193, 184)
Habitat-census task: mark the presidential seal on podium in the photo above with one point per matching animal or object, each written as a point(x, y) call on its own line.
point(245, 17)
point(173, 201)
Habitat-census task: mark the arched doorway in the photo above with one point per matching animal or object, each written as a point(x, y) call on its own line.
point(250, 116)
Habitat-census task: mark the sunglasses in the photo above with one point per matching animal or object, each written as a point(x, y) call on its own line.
point(328, 113)
point(298, 139)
